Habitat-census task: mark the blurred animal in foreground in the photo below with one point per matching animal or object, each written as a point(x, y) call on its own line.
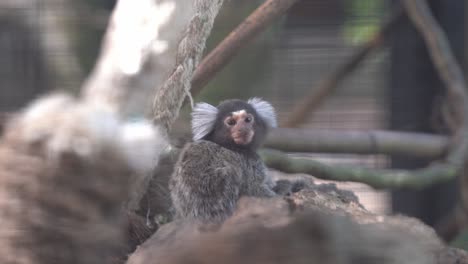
point(66, 167)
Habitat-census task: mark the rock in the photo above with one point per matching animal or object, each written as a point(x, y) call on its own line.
point(320, 224)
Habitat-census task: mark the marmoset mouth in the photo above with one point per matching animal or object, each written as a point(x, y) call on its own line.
point(243, 139)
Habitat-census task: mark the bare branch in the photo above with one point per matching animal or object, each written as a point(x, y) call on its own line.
point(417, 179)
point(359, 142)
point(448, 69)
point(451, 74)
point(330, 83)
point(236, 40)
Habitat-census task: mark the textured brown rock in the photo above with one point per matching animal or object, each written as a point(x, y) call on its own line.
point(320, 224)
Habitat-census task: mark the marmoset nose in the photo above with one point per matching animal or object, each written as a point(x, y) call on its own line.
point(243, 128)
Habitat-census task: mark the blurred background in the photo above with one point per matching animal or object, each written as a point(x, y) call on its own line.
point(53, 44)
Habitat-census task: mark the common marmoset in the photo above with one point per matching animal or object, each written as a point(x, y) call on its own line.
point(221, 165)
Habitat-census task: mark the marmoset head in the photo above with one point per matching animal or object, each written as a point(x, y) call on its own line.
point(234, 124)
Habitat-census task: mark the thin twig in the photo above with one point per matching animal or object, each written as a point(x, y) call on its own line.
point(236, 40)
point(328, 85)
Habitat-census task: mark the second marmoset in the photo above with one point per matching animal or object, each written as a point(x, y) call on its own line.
point(221, 165)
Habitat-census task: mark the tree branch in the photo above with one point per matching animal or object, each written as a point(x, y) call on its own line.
point(359, 142)
point(448, 69)
point(452, 76)
point(330, 83)
point(417, 179)
point(236, 40)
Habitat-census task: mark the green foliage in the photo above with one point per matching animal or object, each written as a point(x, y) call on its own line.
point(363, 19)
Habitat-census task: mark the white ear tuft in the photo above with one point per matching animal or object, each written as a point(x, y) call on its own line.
point(203, 120)
point(265, 110)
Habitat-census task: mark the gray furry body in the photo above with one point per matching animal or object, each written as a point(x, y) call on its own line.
point(222, 163)
point(224, 177)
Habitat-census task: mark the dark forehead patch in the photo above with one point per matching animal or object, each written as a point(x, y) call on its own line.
point(227, 107)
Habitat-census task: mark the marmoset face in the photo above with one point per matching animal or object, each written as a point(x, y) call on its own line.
point(241, 126)
point(234, 124)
